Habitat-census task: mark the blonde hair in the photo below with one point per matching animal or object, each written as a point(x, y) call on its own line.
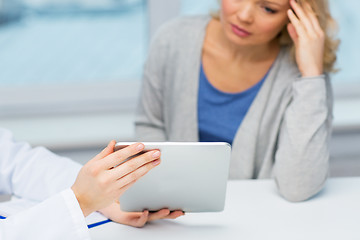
point(327, 23)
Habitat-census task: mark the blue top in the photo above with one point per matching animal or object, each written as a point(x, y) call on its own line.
point(219, 113)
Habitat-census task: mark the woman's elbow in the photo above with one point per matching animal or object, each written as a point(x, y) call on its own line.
point(301, 190)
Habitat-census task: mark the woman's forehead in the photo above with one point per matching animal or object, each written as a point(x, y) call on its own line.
point(281, 3)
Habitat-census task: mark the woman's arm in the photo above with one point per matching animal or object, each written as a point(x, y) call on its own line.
point(302, 157)
point(150, 122)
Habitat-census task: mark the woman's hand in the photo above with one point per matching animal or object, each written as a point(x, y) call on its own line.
point(136, 219)
point(105, 178)
point(308, 37)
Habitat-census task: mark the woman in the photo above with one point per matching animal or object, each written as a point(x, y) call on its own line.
point(39, 175)
point(255, 76)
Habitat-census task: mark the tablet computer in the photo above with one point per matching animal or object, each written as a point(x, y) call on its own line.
point(191, 177)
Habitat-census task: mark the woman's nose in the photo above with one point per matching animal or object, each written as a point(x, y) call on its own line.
point(245, 12)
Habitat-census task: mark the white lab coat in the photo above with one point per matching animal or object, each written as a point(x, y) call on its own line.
point(37, 174)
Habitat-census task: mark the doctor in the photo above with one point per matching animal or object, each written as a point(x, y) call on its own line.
point(39, 175)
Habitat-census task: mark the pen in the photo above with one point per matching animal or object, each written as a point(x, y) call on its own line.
point(98, 223)
point(89, 226)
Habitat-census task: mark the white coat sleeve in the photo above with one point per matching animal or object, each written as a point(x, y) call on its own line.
point(58, 217)
point(33, 173)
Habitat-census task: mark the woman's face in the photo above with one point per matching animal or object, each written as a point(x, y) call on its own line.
point(253, 22)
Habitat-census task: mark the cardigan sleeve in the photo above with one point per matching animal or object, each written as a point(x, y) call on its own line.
point(149, 122)
point(302, 156)
point(170, 74)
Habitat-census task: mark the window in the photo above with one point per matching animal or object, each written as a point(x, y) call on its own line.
point(60, 56)
point(189, 7)
point(70, 69)
point(349, 28)
point(78, 64)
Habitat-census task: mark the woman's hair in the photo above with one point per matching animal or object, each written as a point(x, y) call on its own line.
point(327, 23)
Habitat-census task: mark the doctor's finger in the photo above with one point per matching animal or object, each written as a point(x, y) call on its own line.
point(158, 215)
point(106, 151)
point(132, 177)
point(175, 214)
point(121, 155)
point(125, 188)
point(134, 163)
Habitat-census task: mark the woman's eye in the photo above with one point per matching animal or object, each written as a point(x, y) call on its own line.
point(269, 10)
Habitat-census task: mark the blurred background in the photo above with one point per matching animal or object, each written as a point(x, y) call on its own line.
point(70, 72)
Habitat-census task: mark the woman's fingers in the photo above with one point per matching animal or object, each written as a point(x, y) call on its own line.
point(302, 16)
point(314, 20)
point(305, 21)
point(134, 164)
point(296, 23)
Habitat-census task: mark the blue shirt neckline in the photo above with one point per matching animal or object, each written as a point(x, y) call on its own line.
point(218, 91)
point(220, 114)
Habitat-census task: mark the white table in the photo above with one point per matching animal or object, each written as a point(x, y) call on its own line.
point(254, 210)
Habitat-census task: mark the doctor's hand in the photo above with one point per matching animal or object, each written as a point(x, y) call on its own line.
point(136, 219)
point(309, 39)
point(105, 178)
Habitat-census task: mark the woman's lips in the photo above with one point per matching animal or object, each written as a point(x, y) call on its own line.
point(239, 31)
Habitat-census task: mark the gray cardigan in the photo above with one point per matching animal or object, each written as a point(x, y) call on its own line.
point(285, 134)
